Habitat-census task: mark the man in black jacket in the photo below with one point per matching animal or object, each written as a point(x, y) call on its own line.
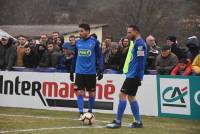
point(29, 58)
point(175, 48)
point(7, 53)
point(50, 57)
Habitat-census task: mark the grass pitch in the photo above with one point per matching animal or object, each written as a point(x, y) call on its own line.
point(30, 121)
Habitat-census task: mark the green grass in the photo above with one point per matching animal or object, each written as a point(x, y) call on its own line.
point(152, 125)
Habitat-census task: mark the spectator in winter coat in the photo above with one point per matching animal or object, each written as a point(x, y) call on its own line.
point(65, 60)
point(71, 45)
point(7, 53)
point(184, 68)
point(193, 48)
point(105, 52)
point(196, 65)
point(124, 51)
point(21, 50)
point(166, 61)
point(114, 61)
point(40, 49)
point(44, 39)
point(175, 48)
point(29, 58)
point(153, 52)
point(50, 57)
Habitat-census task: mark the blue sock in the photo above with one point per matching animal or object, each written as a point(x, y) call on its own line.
point(80, 103)
point(135, 111)
point(121, 108)
point(91, 103)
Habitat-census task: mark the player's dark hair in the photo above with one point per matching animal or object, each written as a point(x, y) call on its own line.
point(134, 27)
point(85, 26)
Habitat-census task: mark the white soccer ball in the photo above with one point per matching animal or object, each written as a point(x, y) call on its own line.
point(88, 119)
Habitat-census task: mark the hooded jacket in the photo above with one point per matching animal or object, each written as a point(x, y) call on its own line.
point(7, 55)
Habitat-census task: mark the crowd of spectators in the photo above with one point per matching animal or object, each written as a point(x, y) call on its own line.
point(51, 53)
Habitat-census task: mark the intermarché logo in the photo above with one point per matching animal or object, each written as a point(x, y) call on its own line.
point(176, 95)
point(56, 94)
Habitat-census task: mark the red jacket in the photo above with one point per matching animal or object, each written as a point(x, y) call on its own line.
point(187, 70)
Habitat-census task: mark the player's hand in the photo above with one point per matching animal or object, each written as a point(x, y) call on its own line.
point(72, 76)
point(99, 75)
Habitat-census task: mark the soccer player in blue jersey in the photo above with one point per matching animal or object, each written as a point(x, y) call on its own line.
point(134, 76)
point(87, 54)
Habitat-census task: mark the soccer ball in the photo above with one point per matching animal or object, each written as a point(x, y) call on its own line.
point(88, 119)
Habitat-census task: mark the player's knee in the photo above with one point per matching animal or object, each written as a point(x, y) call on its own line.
point(131, 98)
point(122, 96)
point(80, 93)
point(92, 94)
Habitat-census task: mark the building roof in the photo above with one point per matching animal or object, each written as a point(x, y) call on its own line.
point(37, 30)
point(3, 33)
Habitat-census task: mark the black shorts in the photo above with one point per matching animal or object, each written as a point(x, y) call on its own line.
point(130, 86)
point(85, 82)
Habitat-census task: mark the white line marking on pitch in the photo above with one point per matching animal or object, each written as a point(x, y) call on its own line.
point(53, 128)
point(46, 117)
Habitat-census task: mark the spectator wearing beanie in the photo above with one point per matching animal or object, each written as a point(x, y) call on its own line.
point(65, 60)
point(175, 48)
point(193, 46)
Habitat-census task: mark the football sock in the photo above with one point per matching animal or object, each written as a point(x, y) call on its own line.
point(80, 103)
point(91, 103)
point(135, 111)
point(120, 111)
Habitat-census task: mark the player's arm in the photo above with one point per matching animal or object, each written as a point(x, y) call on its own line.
point(99, 60)
point(73, 65)
point(139, 48)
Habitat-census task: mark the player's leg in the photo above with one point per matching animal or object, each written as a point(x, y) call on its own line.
point(136, 112)
point(120, 112)
point(121, 106)
point(91, 101)
point(80, 92)
point(80, 100)
point(90, 83)
point(134, 105)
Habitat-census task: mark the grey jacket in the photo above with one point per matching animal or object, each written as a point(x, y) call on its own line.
point(7, 55)
point(49, 59)
point(165, 65)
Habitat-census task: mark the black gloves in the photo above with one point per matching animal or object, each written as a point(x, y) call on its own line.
point(99, 75)
point(71, 76)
